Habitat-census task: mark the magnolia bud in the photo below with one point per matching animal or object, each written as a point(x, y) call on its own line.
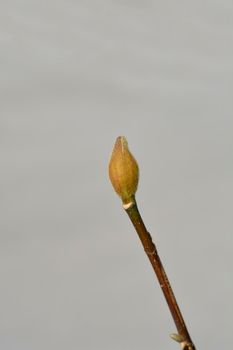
point(123, 171)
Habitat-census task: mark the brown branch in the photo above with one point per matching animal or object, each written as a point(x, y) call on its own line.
point(183, 336)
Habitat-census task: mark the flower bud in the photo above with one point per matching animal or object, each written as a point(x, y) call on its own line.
point(123, 171)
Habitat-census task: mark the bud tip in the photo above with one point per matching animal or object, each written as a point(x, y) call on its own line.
point(123, 170)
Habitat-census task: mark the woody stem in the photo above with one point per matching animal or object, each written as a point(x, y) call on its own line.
point(151, 251)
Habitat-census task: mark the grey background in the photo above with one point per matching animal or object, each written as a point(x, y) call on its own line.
point(74, 76)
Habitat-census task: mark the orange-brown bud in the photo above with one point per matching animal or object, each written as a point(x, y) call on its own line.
point(123, 171)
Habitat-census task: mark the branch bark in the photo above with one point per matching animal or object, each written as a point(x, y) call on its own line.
point(183, 336)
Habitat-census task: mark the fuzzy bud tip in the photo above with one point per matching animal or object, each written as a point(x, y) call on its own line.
point(123, 170)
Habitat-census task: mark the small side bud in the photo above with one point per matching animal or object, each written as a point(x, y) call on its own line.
point(177, 337)
point(123, 171)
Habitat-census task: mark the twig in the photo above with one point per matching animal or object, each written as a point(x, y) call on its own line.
point(183, 336)
point(124, 175)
